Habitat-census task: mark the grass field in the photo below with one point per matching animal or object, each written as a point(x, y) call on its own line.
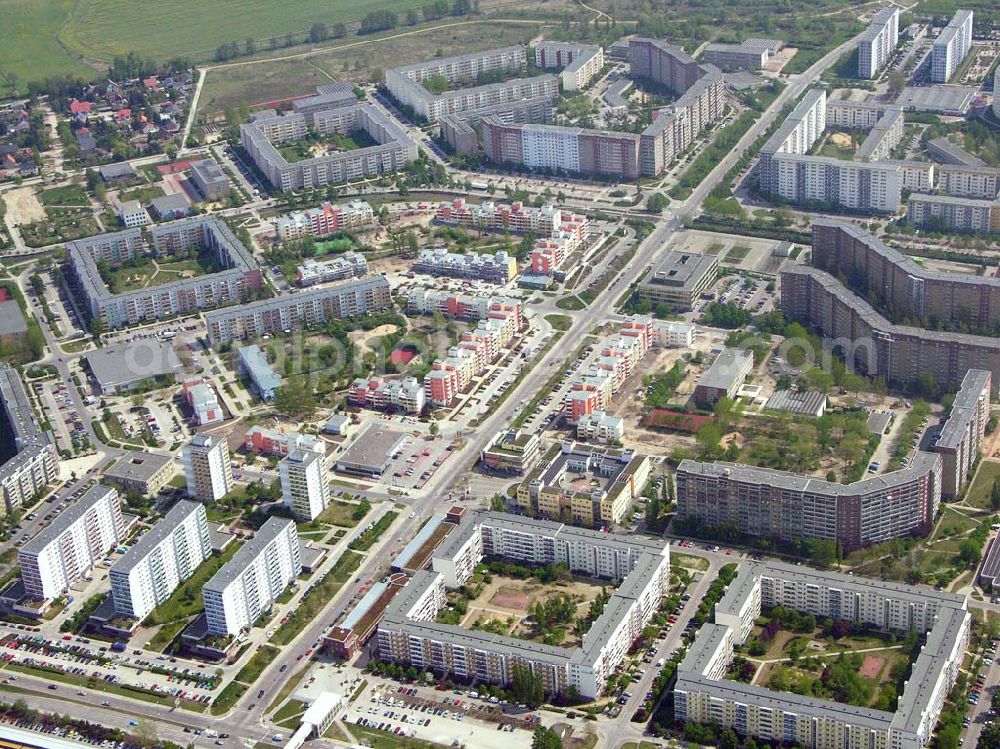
point(355, 61)
point(978, 494)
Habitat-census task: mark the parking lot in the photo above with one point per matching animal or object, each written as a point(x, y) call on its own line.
point(65, 420)
point(417, 462)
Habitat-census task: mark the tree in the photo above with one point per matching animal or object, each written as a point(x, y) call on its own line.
point(318, 32)
point(295, 399)
point(545, 738)
point(969, 553)
point(527, 687)
point(995, 495)
point(339, 31)
point(657, 203)
point(434, 429)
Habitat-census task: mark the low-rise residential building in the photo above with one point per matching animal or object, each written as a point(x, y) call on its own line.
point(167, 555)
point(408, 633)
point(962, 435)
point(249, 583)
point(269, 441)
point(144, 473)
point(355, 298)
point(601, 426)
point(771, 504)
point(617, 477)
point(208, 468)
point(512, 451)
point(498, 268)
point(252, 364)
point(324, 220)
point(347, 265)
point(670, 334)
point(68, 548)
point(304, 487)
point(679, 279)
point(702, 694)
point(405, 394)
point(725, 377)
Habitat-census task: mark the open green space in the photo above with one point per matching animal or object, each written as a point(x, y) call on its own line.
point(256, 665)
point(323, 145)
point(317, 598)
point(165, 635)
point(65, 195)
point(186, 601)
point(978, 494)
point(142, 272)
point(367, 539)
point(228, 698)
point(143, 194)
point(339, 513)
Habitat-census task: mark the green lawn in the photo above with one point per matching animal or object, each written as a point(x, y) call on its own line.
point(979, 492)
point(228, 698)
point(338, 513)
point(316, 599)
point(143, 194)
point(559, 322)
point(186, 600)
point(29, 42)
point(367, 539)
point(256, 665)
point(165, 635)
point(66, 195)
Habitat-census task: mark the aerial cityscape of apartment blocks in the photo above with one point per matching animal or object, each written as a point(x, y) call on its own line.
point(962, 435)
point(878, 42)
point(353, 298)
point(239, 272)
point(951, 47)
point(904, 290)
point(69, 547)
point(405, 394)
point(703, 694)
point(304, 487)
point(208, 469)
point(461, 306)
point(873, 345)
point(34, 464)
point(544, 221)
point(405, 84)
point(771, 504)
point(408, 632)
point(167, 555)
point(458, 132)
point(392, 150)
point(250, 582)
point(578, 63)
point(324, 220)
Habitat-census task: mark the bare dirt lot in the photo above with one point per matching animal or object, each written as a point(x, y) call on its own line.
point(23, 207)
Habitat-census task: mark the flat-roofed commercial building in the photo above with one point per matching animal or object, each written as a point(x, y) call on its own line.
point(878, 43)
point(725, 377)
point(751, 54)
point(207, 467)
point(34, 464)
point(702, 694)
point(161, 560)
point(873, 345)
point(141, 472)
point(951, 46)
point(371, 452)
point(126, 366)
point(679, 279)
point(210, 180)
point(304, 487)
point(771, 504)
point(355, 298)
point(899, 285)
point(962, 435)
point(65, 550)
point(408, 632)
point(250, 582)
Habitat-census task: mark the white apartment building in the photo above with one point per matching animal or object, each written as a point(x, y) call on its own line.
point(579, 63)
point(878, 43)
point(962, 435)
point(207, 467)
point(304, 485)
point(551, 147)
point(601, 426)
point(979, 182)
point(69, 547)
point(673, 334)
point(862, 186)
point(161, 560)
point(252, 580)
point(132, 214)
point(996, 93)
point(951, 47)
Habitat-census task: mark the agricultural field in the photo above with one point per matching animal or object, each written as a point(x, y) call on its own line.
point(247, 86)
